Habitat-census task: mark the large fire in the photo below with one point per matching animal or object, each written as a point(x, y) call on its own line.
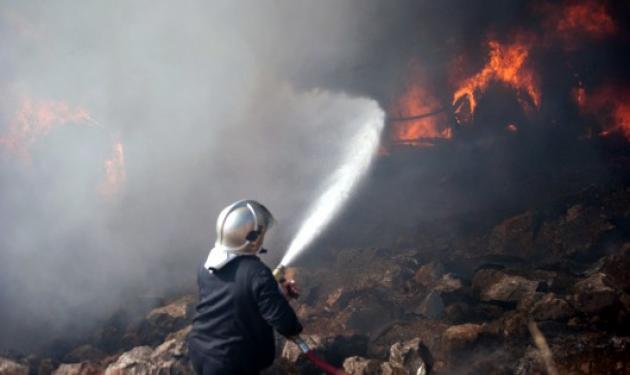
point(35, 119)
point(417, 118)
point(407, 115)
point(506, 65)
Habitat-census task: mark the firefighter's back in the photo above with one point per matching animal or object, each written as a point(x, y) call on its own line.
point(228, 331)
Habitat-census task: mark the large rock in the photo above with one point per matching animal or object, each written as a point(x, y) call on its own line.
point(365, 269)
point(10, 367)
point(574, 232)
point(428, 274)
point(171, 357)
point(84, 368)
point(461, 335)
point(431, 307)
point(361, 366)
point(411, 355)
point(160, 322)
point(593, 294)
point(448, 284)
point(550, 307)
point(172, 354)
point(134, 362)
point(513, 236)
point(496, 285)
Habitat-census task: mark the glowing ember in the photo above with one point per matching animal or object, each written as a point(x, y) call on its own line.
point(115, 175)
point(35, 120)
point(506, 65)
point(417, 101)
point(512, 128)
point(579, 96)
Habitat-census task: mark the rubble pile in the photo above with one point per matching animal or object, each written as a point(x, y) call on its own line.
point(453, 304)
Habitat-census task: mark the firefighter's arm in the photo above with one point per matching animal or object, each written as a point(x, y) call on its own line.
point(273, 306)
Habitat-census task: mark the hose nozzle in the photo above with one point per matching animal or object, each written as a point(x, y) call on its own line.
point(279, 272)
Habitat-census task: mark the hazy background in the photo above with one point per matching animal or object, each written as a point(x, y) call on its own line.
point(202, 96)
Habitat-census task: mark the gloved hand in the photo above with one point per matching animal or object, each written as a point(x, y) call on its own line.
point(290, 289)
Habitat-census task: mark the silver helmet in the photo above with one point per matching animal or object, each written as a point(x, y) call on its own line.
point(240, 229)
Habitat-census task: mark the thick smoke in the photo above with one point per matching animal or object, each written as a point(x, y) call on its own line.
point(200, 95)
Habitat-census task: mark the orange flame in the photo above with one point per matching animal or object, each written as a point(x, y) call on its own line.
point(586, 18)
point(611, 107)
point(115, 175)
point(506, 64)
point(415, 100)
point(35, 120)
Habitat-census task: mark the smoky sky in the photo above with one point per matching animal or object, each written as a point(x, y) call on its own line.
point(203, 97)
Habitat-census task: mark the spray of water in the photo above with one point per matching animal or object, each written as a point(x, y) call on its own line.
point(355, 162)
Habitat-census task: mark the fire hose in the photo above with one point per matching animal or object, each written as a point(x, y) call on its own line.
point(278, 274)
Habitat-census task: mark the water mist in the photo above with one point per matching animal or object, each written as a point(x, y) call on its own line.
point(355, 162)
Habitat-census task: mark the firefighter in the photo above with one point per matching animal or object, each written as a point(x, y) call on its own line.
point(240, 302)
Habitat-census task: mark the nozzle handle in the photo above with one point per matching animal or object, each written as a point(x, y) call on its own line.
point(301, 344)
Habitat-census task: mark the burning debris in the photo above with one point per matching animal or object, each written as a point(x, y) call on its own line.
point(610, 107)
point(416, 116)
point(506, 65)
point(35, 119)
point(418, 119)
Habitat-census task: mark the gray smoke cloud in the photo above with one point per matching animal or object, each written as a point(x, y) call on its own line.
point(202, 97)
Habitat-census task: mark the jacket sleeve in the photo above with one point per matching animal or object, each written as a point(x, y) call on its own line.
point(273, 306)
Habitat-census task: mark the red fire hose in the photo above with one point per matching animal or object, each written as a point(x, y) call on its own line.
point(310, 354)
point(325, 366)
point(278, 274)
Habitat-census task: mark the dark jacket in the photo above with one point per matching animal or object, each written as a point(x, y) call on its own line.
point(238, 306)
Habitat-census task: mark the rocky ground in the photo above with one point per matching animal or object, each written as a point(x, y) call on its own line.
point(445, 301)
